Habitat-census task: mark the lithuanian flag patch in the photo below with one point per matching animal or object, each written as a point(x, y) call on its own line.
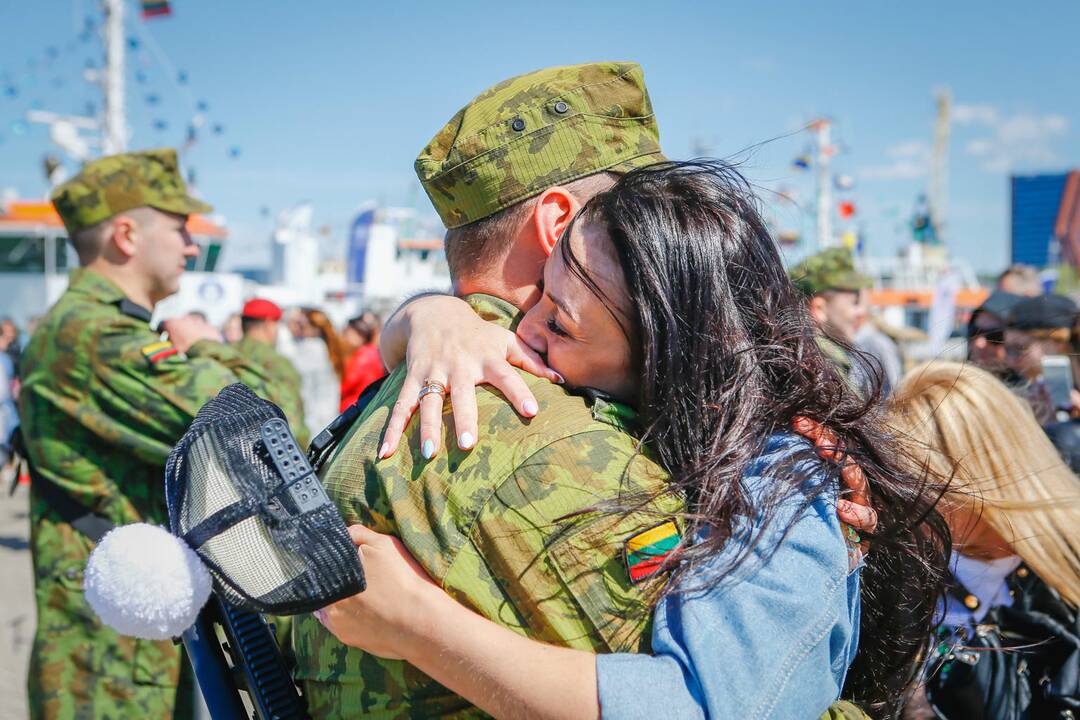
point(156, 352)
point(646, 551)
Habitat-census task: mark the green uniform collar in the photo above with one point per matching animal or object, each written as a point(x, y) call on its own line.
point(87, 282)
point(494, 310)
point(834, 352)
point(498, 311)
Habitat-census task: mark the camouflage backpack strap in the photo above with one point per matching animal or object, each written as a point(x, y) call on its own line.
point(843, 710)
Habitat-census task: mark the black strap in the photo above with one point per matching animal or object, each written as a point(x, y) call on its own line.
point(322, 446)
point(135, 310)
point(74, 513)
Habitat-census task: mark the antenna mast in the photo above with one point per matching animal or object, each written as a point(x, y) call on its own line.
point(114, 127)
point(938, 193)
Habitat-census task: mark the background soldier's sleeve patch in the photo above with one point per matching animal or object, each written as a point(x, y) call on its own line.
point(646, 551)
point(156, 352)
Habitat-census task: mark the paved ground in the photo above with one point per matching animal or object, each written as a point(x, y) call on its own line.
point(17, 605)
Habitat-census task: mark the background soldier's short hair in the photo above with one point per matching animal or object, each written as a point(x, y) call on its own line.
point(247, 323)
point(479, 245)
point(89, 242)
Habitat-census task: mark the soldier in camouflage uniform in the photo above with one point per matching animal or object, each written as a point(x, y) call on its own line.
point(259, 321)
point(833, 288)
point(104, 399)
point(505, 528)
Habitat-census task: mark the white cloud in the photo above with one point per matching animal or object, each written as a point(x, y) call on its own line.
point(974, 114)
point(1007, 142)
point(910, 159)
point(909, 149)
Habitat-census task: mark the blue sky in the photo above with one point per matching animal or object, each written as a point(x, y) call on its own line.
point(330, 101)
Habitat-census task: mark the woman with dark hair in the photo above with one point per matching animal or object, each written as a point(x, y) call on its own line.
point(668, 294)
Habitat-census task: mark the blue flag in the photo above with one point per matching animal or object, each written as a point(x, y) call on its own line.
point(359, 236)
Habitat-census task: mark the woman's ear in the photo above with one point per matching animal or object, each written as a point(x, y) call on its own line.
point(554, 209)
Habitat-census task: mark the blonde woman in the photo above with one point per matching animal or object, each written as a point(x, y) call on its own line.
point(1014, 512)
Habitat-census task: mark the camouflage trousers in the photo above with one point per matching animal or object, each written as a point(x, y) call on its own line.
point(82, 669)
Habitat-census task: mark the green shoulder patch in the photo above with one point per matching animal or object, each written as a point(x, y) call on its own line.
point(647, 550)
point(156, 352)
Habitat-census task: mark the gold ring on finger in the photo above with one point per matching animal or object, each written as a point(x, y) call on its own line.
point(430, 387)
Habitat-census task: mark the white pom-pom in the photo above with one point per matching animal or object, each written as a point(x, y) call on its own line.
point(145, 582)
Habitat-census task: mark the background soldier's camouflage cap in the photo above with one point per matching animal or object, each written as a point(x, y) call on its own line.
point(526, 134)
point(116, 183)
point(831, 269)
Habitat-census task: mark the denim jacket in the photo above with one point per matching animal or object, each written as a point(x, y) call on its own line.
point(772, 640)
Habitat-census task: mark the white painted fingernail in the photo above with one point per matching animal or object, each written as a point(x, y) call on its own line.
point(428, 450)
point(384, 450)
point(466, 440)
point(558, 378)
point(530, 407)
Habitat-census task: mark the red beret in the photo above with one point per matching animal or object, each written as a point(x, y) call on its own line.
point(260, 309)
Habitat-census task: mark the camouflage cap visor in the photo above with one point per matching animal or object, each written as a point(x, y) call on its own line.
point(181, 205)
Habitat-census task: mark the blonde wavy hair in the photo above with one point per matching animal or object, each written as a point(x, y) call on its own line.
point(969, 425)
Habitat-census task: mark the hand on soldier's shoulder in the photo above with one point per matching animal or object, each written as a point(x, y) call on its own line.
point(187, 330)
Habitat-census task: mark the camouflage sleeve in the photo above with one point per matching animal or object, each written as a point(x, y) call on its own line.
point(226, 356)
point(580, 592)
point(148, 392)
point(287, 395)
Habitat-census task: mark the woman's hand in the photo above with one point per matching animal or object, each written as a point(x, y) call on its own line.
point(403, 615)
point(855, 511)
point(388, 618)
point(450, 345)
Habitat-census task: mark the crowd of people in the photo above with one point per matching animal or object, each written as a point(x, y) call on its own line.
point(318, 370)
point(673, 478)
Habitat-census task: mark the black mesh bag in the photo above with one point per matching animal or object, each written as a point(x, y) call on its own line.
point(242, 494)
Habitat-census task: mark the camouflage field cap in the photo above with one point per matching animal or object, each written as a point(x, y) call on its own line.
point(522, 136)
point(116, 183)
point(831, 269)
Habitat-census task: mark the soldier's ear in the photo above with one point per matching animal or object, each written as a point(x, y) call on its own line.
point(123, 235)
point(818, 309)
point(554, 209)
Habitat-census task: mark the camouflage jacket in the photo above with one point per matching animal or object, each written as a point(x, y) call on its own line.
point(495, 527)
point(104, 399)
point(836, 354)
point(283, 388)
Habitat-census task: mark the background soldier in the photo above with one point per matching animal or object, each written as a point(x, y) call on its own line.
point(260, 321)
point(834, 290)
point(104, 399)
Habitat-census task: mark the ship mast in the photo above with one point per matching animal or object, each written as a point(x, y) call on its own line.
point(114, 125)
point(938, 190)
point(109, 132)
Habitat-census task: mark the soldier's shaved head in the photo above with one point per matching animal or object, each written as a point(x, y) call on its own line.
point(476, 248)
point(90, 241)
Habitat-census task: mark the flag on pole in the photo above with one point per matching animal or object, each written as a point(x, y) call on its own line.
point(359, 235)
point(155, 8)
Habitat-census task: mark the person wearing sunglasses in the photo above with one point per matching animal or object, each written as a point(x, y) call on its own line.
point(986, 333)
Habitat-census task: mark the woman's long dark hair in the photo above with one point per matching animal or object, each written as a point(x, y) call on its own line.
point(728, 356)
